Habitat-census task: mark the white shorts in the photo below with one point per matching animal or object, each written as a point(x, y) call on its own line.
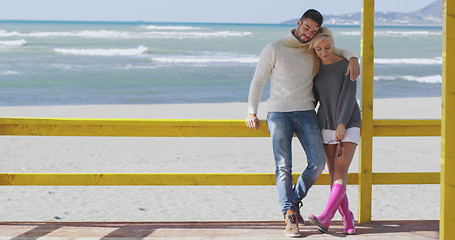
point(352, 135)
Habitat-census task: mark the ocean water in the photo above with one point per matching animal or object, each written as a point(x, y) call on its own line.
point(60, 63)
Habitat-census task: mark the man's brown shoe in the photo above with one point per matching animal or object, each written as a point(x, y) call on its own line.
point(292, 226)
point(299, 205)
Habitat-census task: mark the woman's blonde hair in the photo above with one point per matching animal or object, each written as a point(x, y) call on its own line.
point(323, 34)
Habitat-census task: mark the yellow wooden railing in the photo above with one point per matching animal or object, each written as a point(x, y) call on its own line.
point(186, 128)
point(194, 128)
point(236, 128)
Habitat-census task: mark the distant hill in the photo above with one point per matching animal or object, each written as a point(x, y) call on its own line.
point(430, 15)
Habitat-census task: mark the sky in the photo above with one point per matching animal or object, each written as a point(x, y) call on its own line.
point(216, 11)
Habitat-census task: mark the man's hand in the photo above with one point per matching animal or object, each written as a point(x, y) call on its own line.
point(353, 68)
point(252, 121)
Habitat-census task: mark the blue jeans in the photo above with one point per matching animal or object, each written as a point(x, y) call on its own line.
point(282, 126)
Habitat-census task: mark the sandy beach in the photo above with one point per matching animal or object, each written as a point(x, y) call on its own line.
point(198, 155)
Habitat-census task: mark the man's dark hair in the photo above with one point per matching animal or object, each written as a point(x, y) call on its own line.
point(313, 15)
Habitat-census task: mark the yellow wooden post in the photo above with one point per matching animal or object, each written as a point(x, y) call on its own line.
point(366, 100)
point(447, 221)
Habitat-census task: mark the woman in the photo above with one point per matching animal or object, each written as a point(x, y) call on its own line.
point(339, 120)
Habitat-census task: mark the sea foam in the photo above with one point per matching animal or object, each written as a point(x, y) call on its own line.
point(181, 35)
point(393, 33)
point(13, 43)
point(416, 61)
point(103, 52)
point(424, 79)
point(108, 34)
point(420, 79)
point(155, 27)
point(6, 73)
point(180, 59)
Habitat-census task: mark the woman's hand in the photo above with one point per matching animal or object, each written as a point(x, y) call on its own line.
point(341, 132)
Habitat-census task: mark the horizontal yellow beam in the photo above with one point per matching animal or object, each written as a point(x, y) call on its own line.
point(406, 128)
point(120, 179)
point(406, 178)
point(129, 127)
point(191, 179)
point(183, 128)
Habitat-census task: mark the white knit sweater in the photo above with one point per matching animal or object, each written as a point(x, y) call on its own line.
point(289, 64)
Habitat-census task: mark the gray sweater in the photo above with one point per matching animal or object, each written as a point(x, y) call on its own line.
point(336, 95)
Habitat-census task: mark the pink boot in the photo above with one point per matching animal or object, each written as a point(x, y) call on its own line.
point(348, 217)
point(336, 196)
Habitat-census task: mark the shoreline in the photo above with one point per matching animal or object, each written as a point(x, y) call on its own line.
point(419, 108)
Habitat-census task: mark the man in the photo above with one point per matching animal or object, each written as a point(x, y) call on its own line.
point(289, 64)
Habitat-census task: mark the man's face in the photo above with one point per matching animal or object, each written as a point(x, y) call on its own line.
point(306, 30)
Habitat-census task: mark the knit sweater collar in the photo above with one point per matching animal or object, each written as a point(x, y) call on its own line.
point(292, 40)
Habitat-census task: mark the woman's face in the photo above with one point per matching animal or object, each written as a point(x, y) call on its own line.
point(324, 49)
